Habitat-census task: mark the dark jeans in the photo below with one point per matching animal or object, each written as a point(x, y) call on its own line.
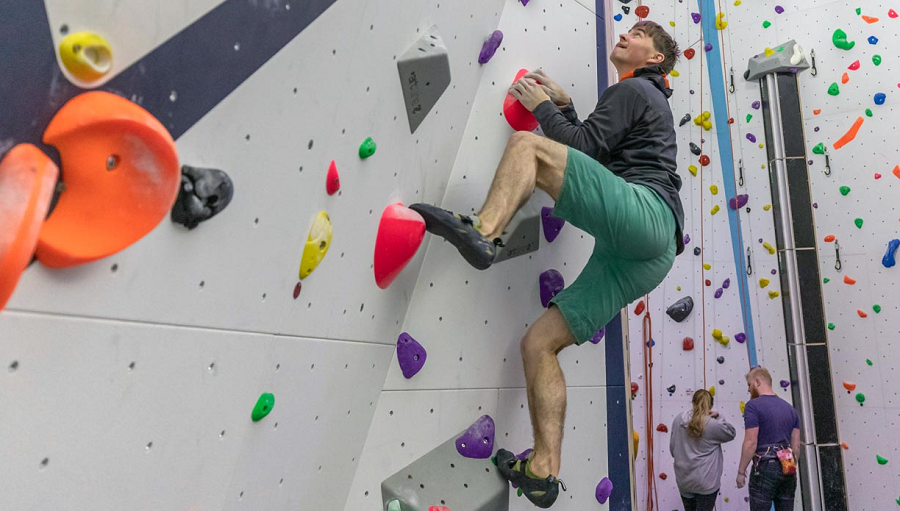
point(700, 502)
point(769, 486)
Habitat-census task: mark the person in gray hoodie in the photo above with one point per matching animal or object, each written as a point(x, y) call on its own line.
point(696, 445)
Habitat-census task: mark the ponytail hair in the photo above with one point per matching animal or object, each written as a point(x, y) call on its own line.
point(703, 403)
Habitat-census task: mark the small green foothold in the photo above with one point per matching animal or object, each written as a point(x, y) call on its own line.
point(826, 280)
point(858, 11)
point(831, 326)
point(869, 112)
point(876, 308)
point(394, 505)
point(519, 492)
point(367, 148)
point(845, 190)
point(494, 461)
point(264, 405)
point(766, 24)
point(858, 222)
point(819, 148)
point(749, 116)
point(860, 398)
point(876, 59)
point(869, 362)
point(833, 89)
point(840, 40)
point(881, 461)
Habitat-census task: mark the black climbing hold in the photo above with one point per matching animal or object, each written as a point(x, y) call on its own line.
point(626, 9)
point(625, 1)
point(696, 250)
point(203, 194)
point(695, 149)
point(720, 360)
point(684, 120)
point(681, 309)
point(671, 389)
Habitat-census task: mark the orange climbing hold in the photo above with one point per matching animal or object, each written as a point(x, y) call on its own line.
point(848, 280)
point(845, 446)
point(817, 111)
point(829, 238)
point(640, 307)
point(897, 171)
point(870, 19)
point(518, 117)
point(845, 77)
point(849, 386)
point(862, 313)
point(850, 135)
point(27, 180)
point(400, 233)
point(121, 175)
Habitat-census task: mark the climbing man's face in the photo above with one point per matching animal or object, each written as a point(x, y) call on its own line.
point(634, 50)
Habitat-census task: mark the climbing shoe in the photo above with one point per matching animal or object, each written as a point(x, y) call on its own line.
point(541, 492)
point(461, 232)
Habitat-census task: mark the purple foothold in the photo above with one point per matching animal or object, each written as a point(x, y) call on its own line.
point(525, 2)
point(810, 162)
point(739, 201)
point(793, 70)
point(524, 454)
point(551, 282)
point(490, 46)
point(785, 384)
point(692, 91)
point(756, 105)
point(721, 382)
point(687, 239)
point(740, 337)
point(598, 336)
point(774, 272)
point(760, 240)
point(751, 137)
point(719, 292)
point(696, 17)
point(604, 489)
point(779, 9)
point(815, 205)
point(478, 440)
point(410, 354)
point(552, 224)
point(708, 47)
point(816, 129)
point(726, 284)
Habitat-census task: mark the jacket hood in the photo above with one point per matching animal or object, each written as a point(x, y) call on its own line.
point(686, 418)
point(655, 75)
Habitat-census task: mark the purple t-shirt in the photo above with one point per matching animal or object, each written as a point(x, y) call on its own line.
point(775, 418)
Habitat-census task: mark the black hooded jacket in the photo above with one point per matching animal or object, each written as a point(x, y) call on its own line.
point(631, 132)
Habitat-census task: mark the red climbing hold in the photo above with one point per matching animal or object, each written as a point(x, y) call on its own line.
point(848, 280)
point(731, 120)
point(849, 386)
point(27, 179)
point(640, 307)
point(877, 175)
point(704, 160)
point(892, 13)
point(689, 53)
point(518, 117)
point(438, 508)
point(642, 11)
point(708, 283)
point(862, 313)
point(634, 388)
point(400, 233)
point(829, 238)
point(663, 476)
point(854, 66)
point(817, 111)
point(845, 446)
point(332, 182)
point(662, 428)
point(687, 344)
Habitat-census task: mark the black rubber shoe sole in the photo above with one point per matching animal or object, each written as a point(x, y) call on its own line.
point(540, 492)
point(475, 248)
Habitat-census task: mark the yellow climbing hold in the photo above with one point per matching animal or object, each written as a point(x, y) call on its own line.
point(768, 247)
point(720, 22)
point(761, 145)
point(693, 170)
point(763, 283)
point(707, 266)
point(714, 190)
point(724, 340)
point(717, 334)
point(767, 207)
point(715, 210)
point(737, 2)
point(712, 391)
point(742, 405)
point(675, 73)
point(317, 244)
point(678, 288)
point(636, 440)
point(86, 55)
point(671, 23)
point(773, 294)
point(769, 52)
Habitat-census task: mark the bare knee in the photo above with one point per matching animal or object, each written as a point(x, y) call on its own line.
point(536, 345)
point(523, 139)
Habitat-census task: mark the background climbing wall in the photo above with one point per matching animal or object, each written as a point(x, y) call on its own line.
point(471, 322)
point(864, 165)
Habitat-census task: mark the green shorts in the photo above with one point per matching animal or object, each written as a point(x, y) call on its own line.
point(634, 243)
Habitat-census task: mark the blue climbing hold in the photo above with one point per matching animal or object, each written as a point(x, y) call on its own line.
point(651, 344)
point(617, 17)
point(879, 98)
point(888, 260)
point(873, 39)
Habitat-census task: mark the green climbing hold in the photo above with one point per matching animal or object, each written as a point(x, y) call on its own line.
point(881, 461)
point(749, 116)
point(519, 492)
point(869, 112)
point(826, 280)
point(840, 40)
point(766, 24)
point(494, 461)
point(264, 405)
point(845, 190)
point(860, 398)
point(869, 362)
point(876, 59)
point(394, 505)
point(367, 148)
point(819, 148)
point(858, 11)
point(833, 89)
point(831, 326)
point(858, 222)
point(876, 308)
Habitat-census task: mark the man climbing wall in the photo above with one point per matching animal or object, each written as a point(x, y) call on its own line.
point(616, 180)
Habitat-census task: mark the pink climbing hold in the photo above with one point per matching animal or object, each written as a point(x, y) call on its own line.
point(604, 490)
point(551, 283)
point(410, 354)
point(478, 441)
point(400, 233)
point(490, 47)
point(739, 201)
point(892, 13)
point(518, 117)
point(332, 181)
point(552, 224)
point(854, 66)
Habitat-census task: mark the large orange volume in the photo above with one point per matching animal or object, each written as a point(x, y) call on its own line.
point(121, 176)
point(27, 180)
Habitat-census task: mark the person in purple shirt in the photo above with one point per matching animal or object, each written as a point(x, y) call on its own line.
point(772, 442)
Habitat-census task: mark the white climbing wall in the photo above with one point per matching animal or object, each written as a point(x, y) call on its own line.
point(855, 339)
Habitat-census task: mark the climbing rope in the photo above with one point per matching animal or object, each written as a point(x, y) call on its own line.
point(652, 496)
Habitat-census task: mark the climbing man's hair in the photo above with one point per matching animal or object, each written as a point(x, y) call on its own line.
point(759, 372)
point(662, 41)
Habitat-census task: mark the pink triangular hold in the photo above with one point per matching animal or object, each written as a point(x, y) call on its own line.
point(892, 13)
point(332, 182)
point(515, 112)
point(400, 233)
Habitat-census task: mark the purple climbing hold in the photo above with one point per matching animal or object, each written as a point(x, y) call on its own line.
point(740, 337)
point(551, 282)
point(721, 382)
point(708, 47)
point(793, 70)
point(696, 17)
point(687, 239)
point(552, 224)
point(410, 354)
point(816, 129)
point(719, 292)
point(478, 441)
point(490, 46)
point(779, 9)
point(598, 336)
point(756, 105)
point(774, 272)
point(785, 384)
point(815, 205)
point(524, 454)
point(739, 201)
point(751, 137)
point(525, 2)
point(692, 91)
point(726, 284)
point(604, 489)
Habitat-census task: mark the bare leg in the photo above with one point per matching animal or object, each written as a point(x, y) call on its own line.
point(546, 388)
point(528, 161)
